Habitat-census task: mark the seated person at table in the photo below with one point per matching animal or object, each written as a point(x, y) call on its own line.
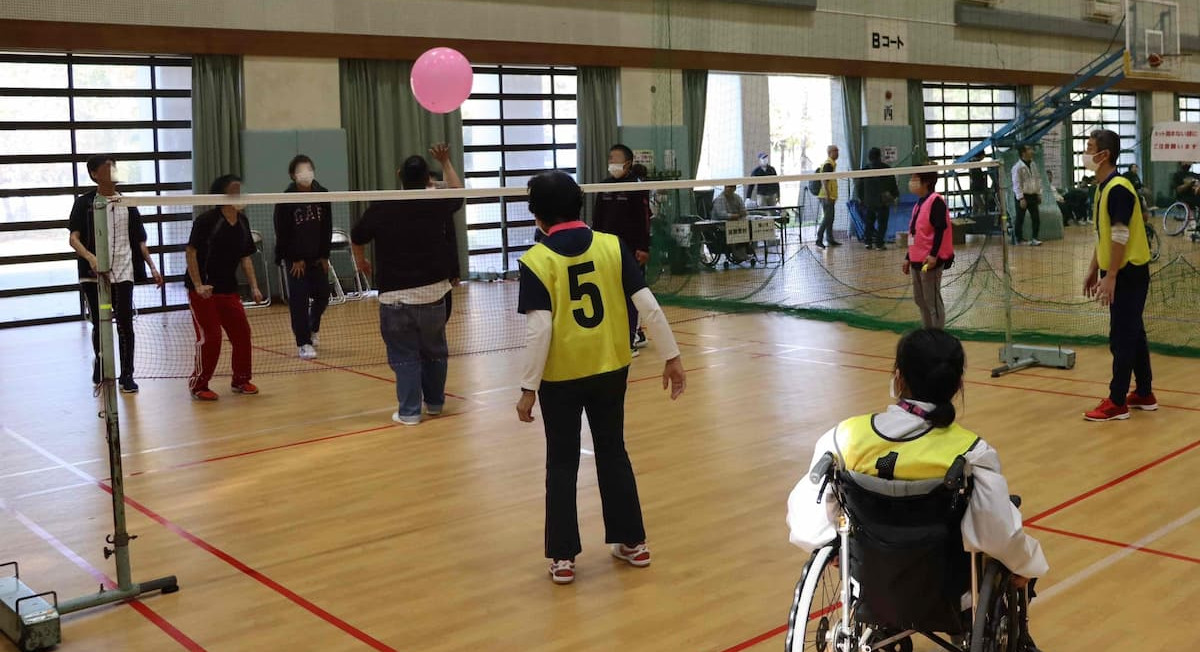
point(729, 206)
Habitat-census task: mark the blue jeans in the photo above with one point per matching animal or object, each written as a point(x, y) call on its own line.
point(416, 351)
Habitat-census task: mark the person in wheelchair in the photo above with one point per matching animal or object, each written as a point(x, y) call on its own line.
point(916, 439)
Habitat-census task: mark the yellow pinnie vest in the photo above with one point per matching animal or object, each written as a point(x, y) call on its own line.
point(1137, 250)
point(829, 189)
point(587, 297)
point(926, 457)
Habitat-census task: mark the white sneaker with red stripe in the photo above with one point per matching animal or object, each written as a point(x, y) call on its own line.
point(562, 571)
point(637, 555)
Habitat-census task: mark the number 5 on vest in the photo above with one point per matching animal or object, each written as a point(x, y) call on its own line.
point(581, 290)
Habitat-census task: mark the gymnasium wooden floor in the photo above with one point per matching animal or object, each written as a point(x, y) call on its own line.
point(305, 519)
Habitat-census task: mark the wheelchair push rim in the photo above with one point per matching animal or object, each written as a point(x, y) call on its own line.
point(816, 605)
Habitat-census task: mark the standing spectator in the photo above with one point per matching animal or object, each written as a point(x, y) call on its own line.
point(128, 258)
point(982, 199)
point(1119, 277)
point(930, 248)
point(574, 285)
point(876, 196)
point(766, 194)
point(219, 242)
point(303, 233)
point(828, 197)
point(415, 243)
point(1027, 185)
point(626, 214)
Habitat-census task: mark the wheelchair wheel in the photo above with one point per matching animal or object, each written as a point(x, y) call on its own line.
point(816, 605)
point(707, 257)
point(997, 626)
point(1175, 218)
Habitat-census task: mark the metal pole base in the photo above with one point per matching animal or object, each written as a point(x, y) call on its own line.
point(1018, 356)
point(164, 584)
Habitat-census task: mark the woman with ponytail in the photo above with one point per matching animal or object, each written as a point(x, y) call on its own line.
point(918, 438)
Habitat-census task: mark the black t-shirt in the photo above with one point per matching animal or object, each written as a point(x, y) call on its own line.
point(415, 241)
point(220, 247)
point(1120, 203)
point(572, 242)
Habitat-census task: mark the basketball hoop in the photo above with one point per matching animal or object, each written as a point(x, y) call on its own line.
point(1154, 60)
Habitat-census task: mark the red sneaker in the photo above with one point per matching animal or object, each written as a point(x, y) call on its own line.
point(638, 555)
point(244, 388)
point(562, 571)
point(1107, 411)
point(1148, 403)
point(204, 395)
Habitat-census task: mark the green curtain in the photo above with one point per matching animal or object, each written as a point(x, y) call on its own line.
point(217, 117)
point(597, 121)
point(695, 108)
point(916, 118)
point(852, 103)
point(385, 125)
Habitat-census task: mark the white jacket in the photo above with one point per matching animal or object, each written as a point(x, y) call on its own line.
point(991, 525)
point(1025, 179)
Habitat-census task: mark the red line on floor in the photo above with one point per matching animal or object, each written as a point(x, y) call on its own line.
point(245, 569)
point(142, 608)
point(349, 370)
point(1116, 544)
point(1112, 483)
point(765, 636)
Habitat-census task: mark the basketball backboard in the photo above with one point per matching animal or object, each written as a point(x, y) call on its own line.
point(1152, 39)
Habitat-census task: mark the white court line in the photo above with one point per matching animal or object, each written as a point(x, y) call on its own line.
point(83, 475)
point(1104, 564)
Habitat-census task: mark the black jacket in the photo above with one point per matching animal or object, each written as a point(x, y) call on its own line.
point(303, 231)
point(624, 214)
point(870, 190)
point(83, 221)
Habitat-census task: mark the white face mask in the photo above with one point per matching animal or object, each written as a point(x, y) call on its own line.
point(1089, 162)
point(617, 170)
point(304, 176)
point(892, 391)
point(764, 161)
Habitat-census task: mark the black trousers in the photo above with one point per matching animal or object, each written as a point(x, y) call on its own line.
point(631, 310)
point(1032, 203)
point(122, 307)
point(876, 220)
point(603, 398)
point(1127, 334)
point(314, 285)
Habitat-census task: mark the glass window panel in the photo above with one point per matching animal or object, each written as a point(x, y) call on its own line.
point(113, 108)
point(957, 113)
point(519, 181)
point(39, 306)
point(483, 182)
point(109, 76)
point(485, 83)
point(526, 84)
point(174, 140)
point(481, 135)
point(481, 161)
point(114, 140)
point(483, 239)
point(29, 243)
point(176, 232)
point(521, 236)
point(174, 108)
point(35, 109)
point(529, 135)
point(174, 263)
point(481, 110)
point(566, 84)
point(567, 159)
point(35, 175)
point(42, 141)
point(147, 295)
point(483, 213)
point(486, 264)
point(956, 95)
point(933, 94)
point(35, 209)
point(566, 134)
point(173, 77)
point(536, 160)
point(58, 272)
point(33, 75)
point(957, 131)
point(526, 109)
point(566, 109)
point(175, 171)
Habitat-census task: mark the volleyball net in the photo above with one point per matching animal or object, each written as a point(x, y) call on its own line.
point(712, 250)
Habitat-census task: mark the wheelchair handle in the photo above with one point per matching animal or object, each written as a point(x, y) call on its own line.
point(821, 470)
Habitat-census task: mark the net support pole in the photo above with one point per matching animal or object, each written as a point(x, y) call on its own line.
point(120, 538)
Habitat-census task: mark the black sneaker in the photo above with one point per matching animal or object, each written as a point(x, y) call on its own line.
point(880, 247)
point(639, 340)
point(834, 243)
point(128, 386)
point(870, 246)
point(820, 245)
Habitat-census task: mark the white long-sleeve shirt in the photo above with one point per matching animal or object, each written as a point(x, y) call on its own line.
point(991, 525)
point(1025, 179)
point(539, 325)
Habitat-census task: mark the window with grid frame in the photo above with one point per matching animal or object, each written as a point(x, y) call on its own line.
point(1116, 111)
point(1189, 108)
point(518, 122)
point(959, 116)
point(56, 110)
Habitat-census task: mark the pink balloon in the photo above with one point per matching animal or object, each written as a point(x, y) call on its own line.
point(441, 80)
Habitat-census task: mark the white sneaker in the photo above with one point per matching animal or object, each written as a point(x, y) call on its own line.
point(633, 353)
point(408, 421)
point(640, 341)
point(316, 339)
point(307, 352)
point(1035, 243)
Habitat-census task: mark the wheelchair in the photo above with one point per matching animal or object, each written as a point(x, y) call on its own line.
point(713, 246)
point(898, 569)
